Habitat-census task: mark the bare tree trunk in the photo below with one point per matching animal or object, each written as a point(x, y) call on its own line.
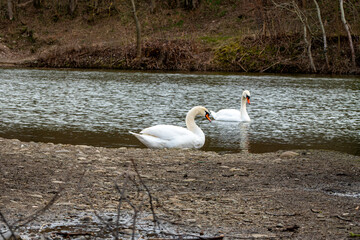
point(303, 3)
point(152, 6)
point(308, 44)
point(138, 31)
point(10, 9)
point(37, 3)
point(95, 5)
point(72, 6)
point(305, 23)
point(347, 28)
point(261, 15)
point(192, 4)
point(195, 3)
point(323, 32)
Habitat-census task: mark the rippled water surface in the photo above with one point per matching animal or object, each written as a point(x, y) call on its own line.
point(99, 108)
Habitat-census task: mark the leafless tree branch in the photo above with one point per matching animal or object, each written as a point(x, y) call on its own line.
point(293, 7)
point(41, 211)
point(148, 192)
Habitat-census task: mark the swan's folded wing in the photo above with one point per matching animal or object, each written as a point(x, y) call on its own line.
point(228, 115)
point(228, 112)
point(150, 141)
point(166, 132)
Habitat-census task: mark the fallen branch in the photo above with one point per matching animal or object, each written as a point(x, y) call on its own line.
point(119, 207)
point(148, 192)
point(132, 206)
point(25, 4)
point(9, 236)
point(12, 234)
point(208, 238)
point(32, 217)
point(315, 211)
point(22, 222)
point(264, 69)
point(69, 235)
point(342, 218)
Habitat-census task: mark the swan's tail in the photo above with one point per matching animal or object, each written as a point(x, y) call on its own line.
point(138, 136)
point(135, 134)
point(213, 114)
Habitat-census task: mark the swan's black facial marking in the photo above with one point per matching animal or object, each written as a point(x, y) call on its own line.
point(248, 99)
point(207, 115)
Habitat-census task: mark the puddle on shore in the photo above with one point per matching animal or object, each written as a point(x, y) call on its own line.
point(332, 192)
point(88, 226)
point(346, 194)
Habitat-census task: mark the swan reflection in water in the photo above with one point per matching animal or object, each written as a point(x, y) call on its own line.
point(244, 136)
point(229, 133)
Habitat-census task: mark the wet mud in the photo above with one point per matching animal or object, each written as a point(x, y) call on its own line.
point(300, 194)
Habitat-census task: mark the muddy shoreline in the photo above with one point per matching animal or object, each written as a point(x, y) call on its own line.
point(303, 194)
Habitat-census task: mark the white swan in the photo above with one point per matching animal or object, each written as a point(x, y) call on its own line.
point(169, 136)
point(234, 115)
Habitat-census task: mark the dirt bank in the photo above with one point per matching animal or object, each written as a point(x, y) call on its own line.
point(221, 35)
point(308, 195)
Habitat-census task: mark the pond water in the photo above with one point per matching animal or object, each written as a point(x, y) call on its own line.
point(100, 108)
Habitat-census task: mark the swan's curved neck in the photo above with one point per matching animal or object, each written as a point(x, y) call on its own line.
point(243, 104)
point(190, 121)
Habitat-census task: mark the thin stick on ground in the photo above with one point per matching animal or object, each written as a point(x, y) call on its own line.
point(41, 211)
point(3, 219)
point(24, 221)
point(148, 192)
point(91, 204)
point(132, 206)
point(119, 207)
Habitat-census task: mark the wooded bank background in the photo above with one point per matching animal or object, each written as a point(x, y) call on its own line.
point(281, 36)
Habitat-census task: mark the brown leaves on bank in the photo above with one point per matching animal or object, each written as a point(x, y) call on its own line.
point(181, 55)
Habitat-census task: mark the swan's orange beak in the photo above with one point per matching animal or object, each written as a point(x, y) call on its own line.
point(248, 99)
point(207, 115)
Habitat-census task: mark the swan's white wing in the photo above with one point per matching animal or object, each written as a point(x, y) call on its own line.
point(228, 115)
point(150, 141)
point(167, 132)
point(168, 136)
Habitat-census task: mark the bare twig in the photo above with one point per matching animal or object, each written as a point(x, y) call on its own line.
point(344, 219)
point(3, 219)
point(271, 65)
point(25, 4)
point(293, 7)
point(35, 215)
point(91, 204)
point(119, 207)
point(148, 192)
point(132, 206)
